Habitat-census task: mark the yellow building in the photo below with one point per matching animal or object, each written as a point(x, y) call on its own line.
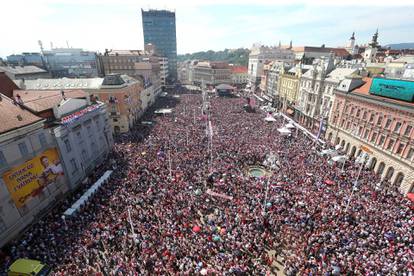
point(288, 89)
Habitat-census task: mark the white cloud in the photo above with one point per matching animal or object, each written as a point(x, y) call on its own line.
point(100, 24)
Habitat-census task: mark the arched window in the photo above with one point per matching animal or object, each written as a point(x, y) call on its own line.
point(381, 168)
point(372, 163)
point(399, 179)
point(329, 136)
point(353, 150)
point(347, 148)
point(390, 173)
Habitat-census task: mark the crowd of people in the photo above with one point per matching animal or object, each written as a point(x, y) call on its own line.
point(180, 202)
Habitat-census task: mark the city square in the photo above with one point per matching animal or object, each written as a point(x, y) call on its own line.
point(171, 208)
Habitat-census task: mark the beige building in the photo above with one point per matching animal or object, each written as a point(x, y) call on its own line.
point(288, 89)
point(211, 73)
point(130, 62)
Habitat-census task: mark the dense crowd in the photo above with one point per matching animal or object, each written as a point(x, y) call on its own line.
point(171, 208)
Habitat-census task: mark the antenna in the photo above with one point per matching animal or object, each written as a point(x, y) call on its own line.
point(67, 44)
point(51, 45)
point(41, 46)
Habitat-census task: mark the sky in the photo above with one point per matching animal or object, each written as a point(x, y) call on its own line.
point(97, 25)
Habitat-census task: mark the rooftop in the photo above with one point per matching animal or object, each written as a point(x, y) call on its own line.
point(13, 116)
point(239, 69)
point(38, 101)
point(364, 90)
point(68, 83)
point(29, 69)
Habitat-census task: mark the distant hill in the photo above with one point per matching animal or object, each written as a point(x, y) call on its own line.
point(235, 56)
point(399, 46)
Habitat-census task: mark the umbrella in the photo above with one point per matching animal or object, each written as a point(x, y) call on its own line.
point(410, 196)
point(196, 229)
point(270, 119)
point(329, 182)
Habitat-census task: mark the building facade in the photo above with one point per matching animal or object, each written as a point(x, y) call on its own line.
point(288, 89)
point(79, 126)
point(239, 75)
point(31, 173)
point(130, 62)
point(211, 73)
point(259, 55)
point(71, 62)
point(159, 30)
point(360, 117)
point(35, 59)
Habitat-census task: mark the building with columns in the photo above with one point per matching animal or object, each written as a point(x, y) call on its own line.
point(384, 124)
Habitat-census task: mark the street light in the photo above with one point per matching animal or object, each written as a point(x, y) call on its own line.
point(362, 159)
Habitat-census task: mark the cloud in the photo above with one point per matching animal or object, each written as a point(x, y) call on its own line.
point(201, 25)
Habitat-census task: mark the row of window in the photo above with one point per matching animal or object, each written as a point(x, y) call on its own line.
point(377, 119)
point(24, 151)
point(380, 141)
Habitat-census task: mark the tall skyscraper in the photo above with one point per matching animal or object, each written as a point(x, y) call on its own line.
point(159, 29)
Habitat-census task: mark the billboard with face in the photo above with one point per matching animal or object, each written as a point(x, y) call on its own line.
point(30, 178)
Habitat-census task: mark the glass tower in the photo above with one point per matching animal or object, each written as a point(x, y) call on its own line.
point(159, 30)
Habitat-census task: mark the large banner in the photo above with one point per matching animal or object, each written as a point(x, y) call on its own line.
point(27, 180)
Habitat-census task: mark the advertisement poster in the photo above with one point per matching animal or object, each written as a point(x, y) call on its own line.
point(29, 179)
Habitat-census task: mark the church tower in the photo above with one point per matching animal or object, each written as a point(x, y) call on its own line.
point(371, 50)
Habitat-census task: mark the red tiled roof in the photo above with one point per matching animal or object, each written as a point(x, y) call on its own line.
point(38, 100)
point(13, 116)
point(7, 85)
point(239, 69)
point(340, 52)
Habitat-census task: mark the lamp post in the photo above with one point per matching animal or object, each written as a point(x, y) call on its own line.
point(363, 159)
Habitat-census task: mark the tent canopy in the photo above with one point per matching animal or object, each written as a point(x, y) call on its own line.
point(163, 111)
point(284, 131)
point(289, 125)
point(340, 158)
point(270, 119)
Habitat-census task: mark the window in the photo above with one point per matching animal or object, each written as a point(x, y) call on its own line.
point(42, 140)
point(397, 127)
point(3, 226)
point(410, 153)
point(73, 165)
point(371, 118)
point(379, 120)
point(400, 148)
point(23, 149)
point(408, 130)
point(67, 145)
point(3, 161)
point(364, 115)
point(89, 129)
point(390, 144)
point(381, 140)
point(388, 123)
point(373, 137)
point(358, 113)
point(366, 134)
point(84, 156)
